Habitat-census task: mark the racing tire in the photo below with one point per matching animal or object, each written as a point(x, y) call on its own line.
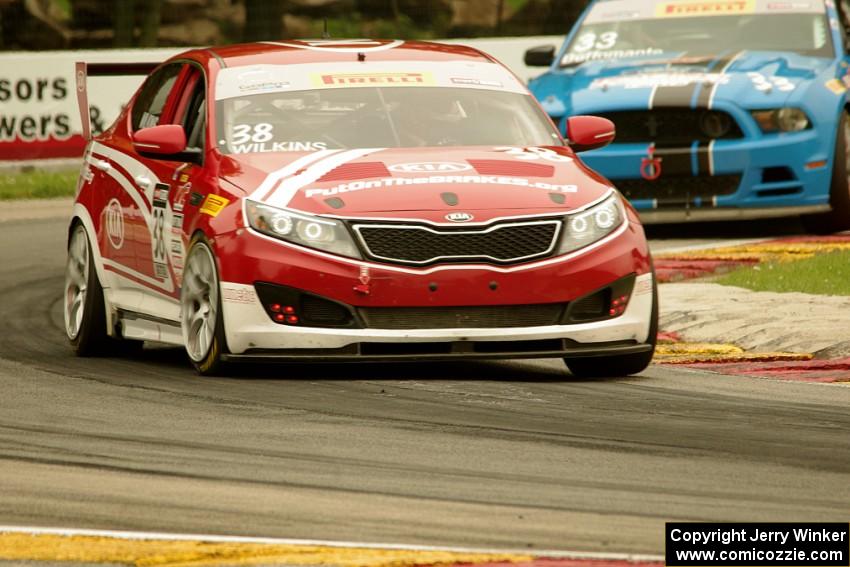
point(84, 307)
point(200, 304)
point(622, 365)
point(838, 219)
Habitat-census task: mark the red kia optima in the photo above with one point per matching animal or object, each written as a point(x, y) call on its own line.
point(352, 200)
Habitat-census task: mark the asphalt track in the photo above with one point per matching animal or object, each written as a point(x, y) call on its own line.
point(505, 455)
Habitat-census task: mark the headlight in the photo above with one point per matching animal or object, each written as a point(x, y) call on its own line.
point(299, 228)
point(781, 120)
point(586, 227)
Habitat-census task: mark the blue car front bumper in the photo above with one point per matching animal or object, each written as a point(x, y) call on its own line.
point(756, 176)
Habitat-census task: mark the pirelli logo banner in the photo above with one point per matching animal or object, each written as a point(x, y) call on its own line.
point(373, 79)
point(726, 7)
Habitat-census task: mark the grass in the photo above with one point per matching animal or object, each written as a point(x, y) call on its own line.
point(37, 184)
point(823, 274)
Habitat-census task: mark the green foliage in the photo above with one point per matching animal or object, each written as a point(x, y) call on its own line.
point(824, 274)
point(37, 185)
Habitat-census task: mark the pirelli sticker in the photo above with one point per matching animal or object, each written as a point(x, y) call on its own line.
point(410, 79)
point(691, 8)
point(213, 205)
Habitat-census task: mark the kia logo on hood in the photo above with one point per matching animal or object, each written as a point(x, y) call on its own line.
point(430, 167)
point(459, 217)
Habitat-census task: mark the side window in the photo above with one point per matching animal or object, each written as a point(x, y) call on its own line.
point(151, 100)
point(194, 120)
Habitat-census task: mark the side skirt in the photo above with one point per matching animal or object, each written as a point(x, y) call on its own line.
point(138, 326)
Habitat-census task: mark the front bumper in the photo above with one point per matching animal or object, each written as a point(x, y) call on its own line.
point(250, 331)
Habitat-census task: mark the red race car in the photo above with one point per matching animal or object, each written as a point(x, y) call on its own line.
point(352, 200)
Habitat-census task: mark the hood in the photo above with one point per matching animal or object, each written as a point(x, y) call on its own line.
point(751, 79)
point(395, 182)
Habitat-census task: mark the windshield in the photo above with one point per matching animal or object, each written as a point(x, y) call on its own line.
point(805, 34)
point(388, 117)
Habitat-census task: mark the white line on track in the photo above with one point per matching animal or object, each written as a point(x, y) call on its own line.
point(659, 247)
point(326, 543)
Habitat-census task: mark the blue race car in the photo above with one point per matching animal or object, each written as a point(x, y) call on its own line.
point(724, 110)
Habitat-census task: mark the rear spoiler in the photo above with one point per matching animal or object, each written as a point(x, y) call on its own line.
point(85, 70)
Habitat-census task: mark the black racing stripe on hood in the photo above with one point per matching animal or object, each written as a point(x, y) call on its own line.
point(719, 66)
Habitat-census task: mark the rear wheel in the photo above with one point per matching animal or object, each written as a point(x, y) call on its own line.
point(200, 301)
point(84, 305)
point(838, 219)
point(623, 365)
point(85, 314)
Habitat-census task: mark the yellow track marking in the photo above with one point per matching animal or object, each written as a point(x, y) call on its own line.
point(142, 553)
point(766, 252)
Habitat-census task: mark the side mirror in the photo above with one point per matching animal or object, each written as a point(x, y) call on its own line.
point(589, 132)
point(162, 140)
point(542, 56)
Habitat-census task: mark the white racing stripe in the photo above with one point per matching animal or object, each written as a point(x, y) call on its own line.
point(553, 553)
point(265, 189)
point(281, 196)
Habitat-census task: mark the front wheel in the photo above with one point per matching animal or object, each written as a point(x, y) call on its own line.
point(623, 365)
point(838, 219)
point(200, 302)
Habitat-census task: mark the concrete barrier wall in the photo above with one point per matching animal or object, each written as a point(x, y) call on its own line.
point(39, 118)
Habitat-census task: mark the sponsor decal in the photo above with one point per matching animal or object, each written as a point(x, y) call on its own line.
point(643, 287)
point(476, 82)
point(836, 86)
point(115, 224)
point(685, 9)
point(180, 196)
point(650, 166)
point(158, 230)
point(214, 204)
point(534, 154)
point(576, 58)
point(179, 174)
point(160, 195)
point(372, 79)
point(244, 295)
point(178, 250)
point(459, 217)
point(364, 280)
point(655, 80)
point(767, 84)
point(789, 6)
point(430, 167)
point(288, 146)
point(438, 179)
point(263, 86)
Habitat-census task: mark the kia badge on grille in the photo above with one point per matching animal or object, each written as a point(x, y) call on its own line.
point(459, 217)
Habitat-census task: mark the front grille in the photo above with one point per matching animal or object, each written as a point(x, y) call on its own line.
point(673, 126)
point(501, 243)
point(476, 317)
point(679, 189)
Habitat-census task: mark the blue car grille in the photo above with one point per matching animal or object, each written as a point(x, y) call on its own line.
point(673, 126)
point(679, 190)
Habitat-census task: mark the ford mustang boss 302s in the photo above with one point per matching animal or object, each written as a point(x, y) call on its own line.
point(724, 109)
point(352, 200)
